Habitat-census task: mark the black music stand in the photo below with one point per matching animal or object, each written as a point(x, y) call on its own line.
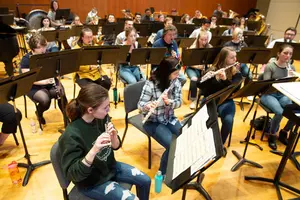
point(198, 22)
point(176, 18)
point(219, 41)
point(62, 14)
point(156, 26)
point(183, 180)
point(254, 25)
point(142, 41)
point(143, 29)
point(288, 113)
point(184, 42)
point(218, 31)
point(225, 21)
point(56, 64)
point(10, 89)
point(185, 30)
point(253, 56)
point(50, 35)
point(7, 19)
point(93, 27)
point(253, 88)
point(255, 40)
point(108, 29)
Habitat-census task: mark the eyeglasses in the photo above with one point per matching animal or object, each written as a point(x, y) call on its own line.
point(290, 34)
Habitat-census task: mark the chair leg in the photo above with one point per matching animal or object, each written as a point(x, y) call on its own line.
point(149, 152)
point(264, 127)
point(229, 141)
point(25, 105)
point(124, 134)
point(74, 90)
point(16, 139)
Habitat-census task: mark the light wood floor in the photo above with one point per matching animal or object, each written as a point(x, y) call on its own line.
point(219, 181)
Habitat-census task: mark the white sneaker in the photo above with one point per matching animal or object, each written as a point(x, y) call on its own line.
point(193, 105)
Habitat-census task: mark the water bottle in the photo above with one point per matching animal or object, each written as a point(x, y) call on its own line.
point(33, 126)
point(158, 181)
point(14, 173)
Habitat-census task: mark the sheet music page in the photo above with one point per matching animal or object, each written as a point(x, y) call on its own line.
point(195, 146)
point(292, 90)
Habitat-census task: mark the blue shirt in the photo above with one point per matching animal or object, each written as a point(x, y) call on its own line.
point(173, 46)
point(159, 34)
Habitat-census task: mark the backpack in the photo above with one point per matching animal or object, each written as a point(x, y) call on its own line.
point(258, 123)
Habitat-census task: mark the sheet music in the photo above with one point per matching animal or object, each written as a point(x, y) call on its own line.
point(195, 146)
point(290, 90)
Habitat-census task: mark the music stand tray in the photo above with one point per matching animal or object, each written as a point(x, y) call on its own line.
point(184, 42)
point(147, 56)
point(255, 40)
point(50, 35)
point(62, 14)
point(219, 41)
point(185, 30)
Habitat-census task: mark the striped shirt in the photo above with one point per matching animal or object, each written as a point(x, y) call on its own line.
point(163, 113)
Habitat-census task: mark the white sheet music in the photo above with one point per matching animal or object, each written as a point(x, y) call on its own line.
point(290, 90)
point(195, 146)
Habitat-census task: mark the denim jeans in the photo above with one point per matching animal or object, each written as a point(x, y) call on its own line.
point(245, 70)
point(131, 74)
point(182, 78)
point(276, 103)
point(191, 72)
point(163, 135)
point(112, 190)
point(226, 112)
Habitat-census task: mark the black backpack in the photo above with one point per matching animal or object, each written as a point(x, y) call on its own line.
point(258, 123)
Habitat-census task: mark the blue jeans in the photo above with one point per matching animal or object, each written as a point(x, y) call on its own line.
point(182, 78)
point(163, 135)
point(276, 103)
point(112, 190)
point(245, 70)
point(226, 112)
point(131, 74)
point(193, 73)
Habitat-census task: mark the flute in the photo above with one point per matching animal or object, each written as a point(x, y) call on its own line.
point(211, 74)
point(151, 111)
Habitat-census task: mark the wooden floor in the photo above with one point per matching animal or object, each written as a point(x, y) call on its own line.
point(219, 181)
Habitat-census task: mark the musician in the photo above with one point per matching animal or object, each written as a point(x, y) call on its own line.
point(162, 123)
point(198, 15)
point(289, 35)
point(185, 19)
point(277, 101)
point(237, 43)
point(174, 12)
point(213, 20)
point(137, 18)
point(168, 21)
point(168, 41)
point(147, 15)
point(194, 72)
point(131, 74)
point(161, 18)
point(46, 26)
point(111, 19)
point(205, 27)
point(243, 24)
point(90, 73)
point(121, 36)
point(226, 110)
point(42, 91)
point(218, 12)
point(76, 21)
point(229, 31)
point(9, 121)
point(127, 14)
point(92, 17)
point(52, 14)
point(87, 150)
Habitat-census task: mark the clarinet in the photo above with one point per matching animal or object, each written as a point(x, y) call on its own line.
point(151, 111)
point(212, 74)
point(290, 70)
point(55, 87)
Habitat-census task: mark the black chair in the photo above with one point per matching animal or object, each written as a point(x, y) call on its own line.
point(74, 194)
point(132, 95)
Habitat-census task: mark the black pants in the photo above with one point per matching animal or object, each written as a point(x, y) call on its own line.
point(104, 81)
point(8, 118)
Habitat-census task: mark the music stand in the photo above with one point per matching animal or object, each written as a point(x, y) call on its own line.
point(225, 21)
point(111, 29)
point(198, 22)
point(56, 64)
point(156, 26)
point(249, 33)
point(11, 89)
point(255, 40)
point(4, 10)
point(185, 30)
point(143, 29)
point(176, 19)
point(62, 14)
point(288, 113)
point(184, 42)
point(93, 27)
point(219, 41)
point(253, 88)
point(7, 19)
point(50, 35)
point(200, 161)
point(254, 25)
point(142, 41)
point(296, 52)
point(218, 31)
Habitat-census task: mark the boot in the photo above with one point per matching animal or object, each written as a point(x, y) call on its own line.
point(283, 137)
point(272, 141)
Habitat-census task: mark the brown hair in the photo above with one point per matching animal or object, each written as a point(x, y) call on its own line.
point(91, 95)
point(169, 28)
point(168, 19)
point(35, 40)
point(182, 20)
point(129, 30)
point(83, 31)
point(282, 47)
point(291, 29)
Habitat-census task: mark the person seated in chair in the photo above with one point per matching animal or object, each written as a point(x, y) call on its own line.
point(9, 121)
point(87, 150)
point(168, 21)
point(195, 72)
point(121, 36)
point(277, 101)
point(131, 74)
point(90, 73)
point(46, 26)
point(224, 78)
point(44, 90)
point(162, 123)
point(229, 31)
point(289, 35)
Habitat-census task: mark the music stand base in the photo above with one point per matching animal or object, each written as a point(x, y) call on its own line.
point(242, 161)
point(252, 143)
point(293, 157)
point(277, 184)
point(30, 167)
point(196, 186)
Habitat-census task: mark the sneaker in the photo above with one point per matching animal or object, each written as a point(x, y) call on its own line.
point(193, 105)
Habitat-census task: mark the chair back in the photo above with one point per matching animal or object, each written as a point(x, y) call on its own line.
point(55, 157)
point(132, 95)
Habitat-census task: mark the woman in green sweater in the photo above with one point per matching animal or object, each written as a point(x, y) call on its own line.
point(87, 150)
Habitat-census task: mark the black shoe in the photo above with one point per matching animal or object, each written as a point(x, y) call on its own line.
point(224, 152)
point(272, 141)
point(283, 137)
point(40, 118)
